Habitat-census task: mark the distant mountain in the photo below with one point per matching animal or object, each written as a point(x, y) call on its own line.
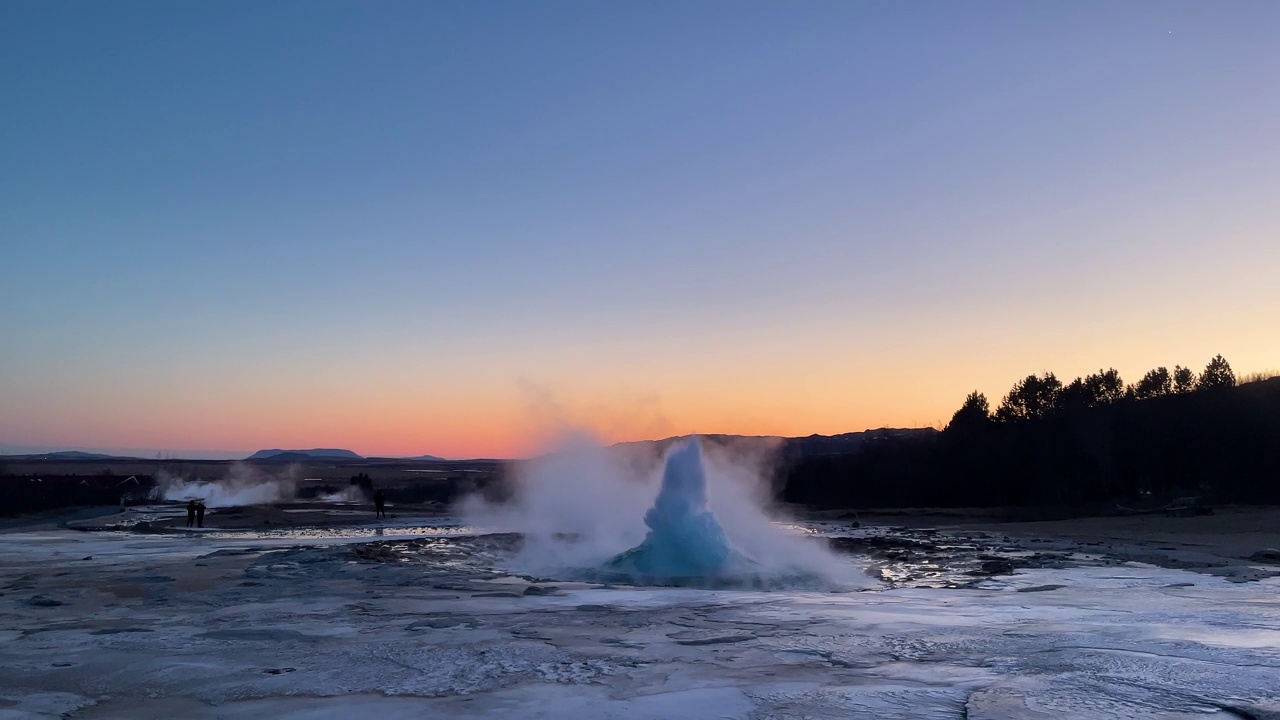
point(67, 455)
point(78, 455)
point(425, 458)
point(295, 455)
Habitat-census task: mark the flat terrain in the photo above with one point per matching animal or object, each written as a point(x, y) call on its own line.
point(1231, 533)
point(33, 485)
point(419, 616)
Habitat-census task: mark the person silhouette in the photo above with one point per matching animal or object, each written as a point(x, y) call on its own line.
point(380, 502)
point(191, 513)
point(200, 514)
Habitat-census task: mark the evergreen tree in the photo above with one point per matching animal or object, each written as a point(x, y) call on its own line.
point(1105, 387)
point(1101, 388)
point(1184, 380)
point(1032, 397)
point(1075, 396)
point(1154, 384)
point(1217, 374)
point(974, 413)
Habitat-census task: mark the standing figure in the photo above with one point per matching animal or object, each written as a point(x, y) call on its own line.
point(191, 513)
point(380, 502)
point(200, 514)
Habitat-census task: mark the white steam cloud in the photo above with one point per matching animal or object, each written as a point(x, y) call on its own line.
point(350, 494)
point(583, 504)
point(243, 485)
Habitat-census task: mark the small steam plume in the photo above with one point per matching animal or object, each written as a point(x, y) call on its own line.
point(352, 494)
point(243, 485)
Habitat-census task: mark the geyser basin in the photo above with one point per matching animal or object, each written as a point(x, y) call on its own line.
point(685, 544)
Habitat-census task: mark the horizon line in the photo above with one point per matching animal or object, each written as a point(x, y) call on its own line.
point(20, 450)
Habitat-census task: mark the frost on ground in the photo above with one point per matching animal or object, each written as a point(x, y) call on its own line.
point(113, 625)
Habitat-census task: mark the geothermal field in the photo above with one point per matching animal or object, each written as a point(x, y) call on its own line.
point(635, 588)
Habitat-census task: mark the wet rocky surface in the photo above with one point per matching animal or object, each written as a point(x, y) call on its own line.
point(958, 558)
point(903, 557)
point(947, 625)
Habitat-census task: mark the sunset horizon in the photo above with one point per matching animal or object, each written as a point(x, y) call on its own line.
point(438, 229)
point(539, 424)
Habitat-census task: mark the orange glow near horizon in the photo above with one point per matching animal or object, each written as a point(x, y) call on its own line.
point(824, 398)
point(511, 394)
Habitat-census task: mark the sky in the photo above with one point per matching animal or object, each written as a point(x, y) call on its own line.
point(456, 228)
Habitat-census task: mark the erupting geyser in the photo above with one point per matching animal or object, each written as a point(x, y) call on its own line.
point(685, 543)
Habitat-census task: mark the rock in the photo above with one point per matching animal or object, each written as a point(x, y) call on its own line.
point(264, 635)
point(376, 553)
point(710, 637)
point(1266, 555)
point(1041, 588)
point(998, 566)
point(536, 590)
point(43, 601)
point(442, 622)
point(229, 551)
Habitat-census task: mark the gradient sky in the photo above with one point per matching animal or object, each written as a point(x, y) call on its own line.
point(450, 227)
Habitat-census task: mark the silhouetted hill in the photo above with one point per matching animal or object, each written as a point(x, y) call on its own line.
point(847, 443)
point(297, 455)
point(808, 446)
point(66, 455)
point(425, 458)
point(1221, 444)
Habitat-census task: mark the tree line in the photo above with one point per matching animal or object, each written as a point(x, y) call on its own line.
point(1038, 396)
point(1095, 441)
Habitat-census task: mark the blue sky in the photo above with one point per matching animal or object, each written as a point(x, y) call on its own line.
point(233, 225)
